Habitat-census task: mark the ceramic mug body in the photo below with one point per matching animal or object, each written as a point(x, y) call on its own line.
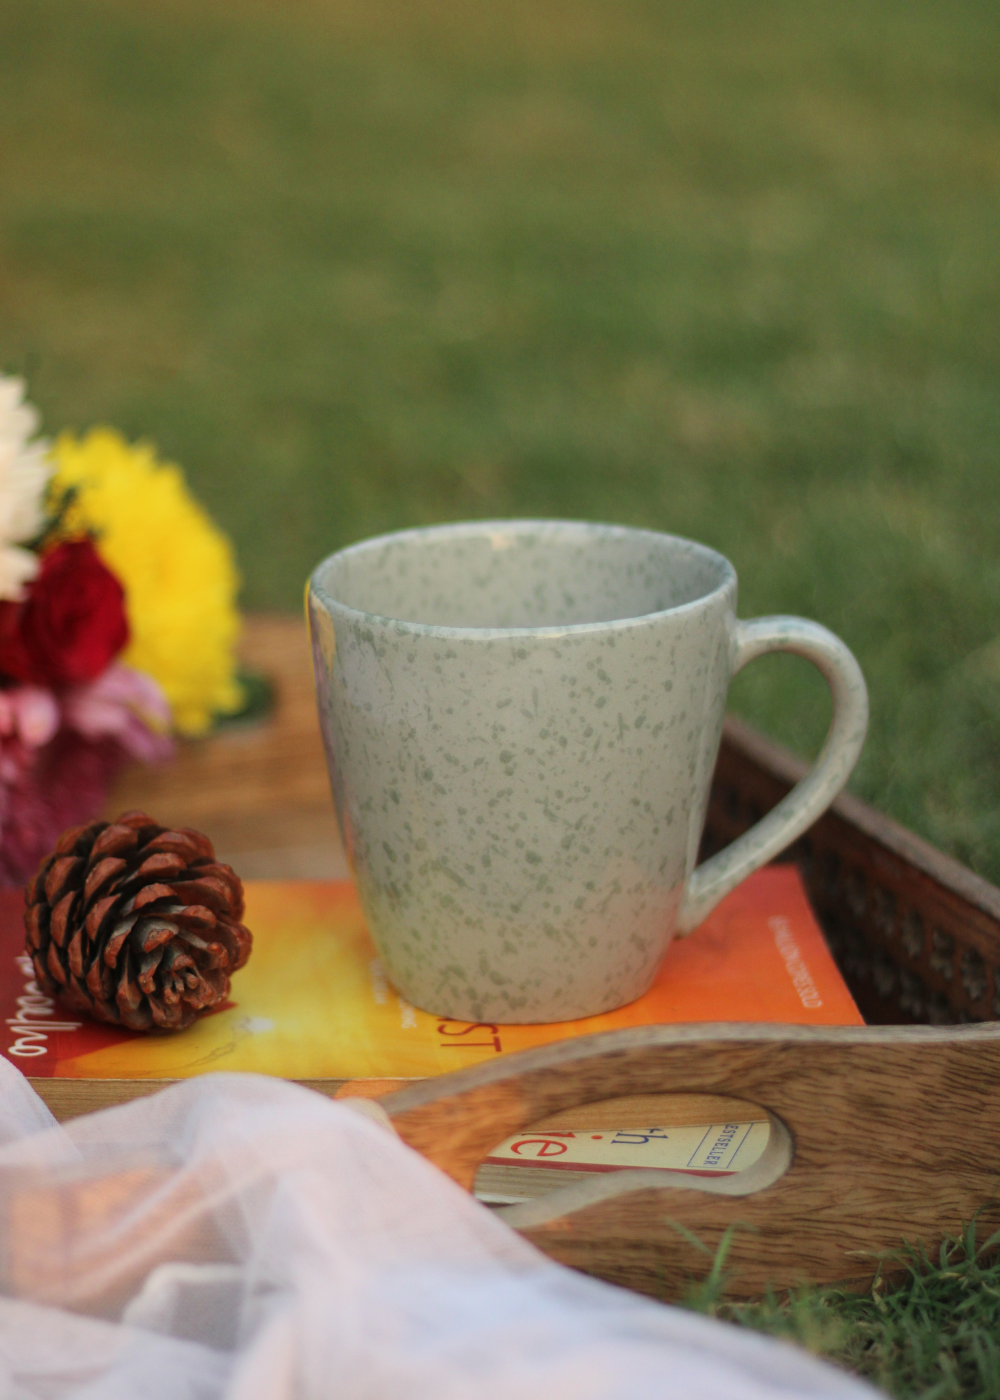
point(521, 720)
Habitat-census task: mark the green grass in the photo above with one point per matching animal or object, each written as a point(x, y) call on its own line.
point(935, 1335)
point(728, 269)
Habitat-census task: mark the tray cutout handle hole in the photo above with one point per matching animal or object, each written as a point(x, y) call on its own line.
point(706, 1142)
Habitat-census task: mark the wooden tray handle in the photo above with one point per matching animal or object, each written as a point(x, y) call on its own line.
point(883, 1134)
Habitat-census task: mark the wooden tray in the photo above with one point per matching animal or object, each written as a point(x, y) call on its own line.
point(916, 934)
point(878, 1135)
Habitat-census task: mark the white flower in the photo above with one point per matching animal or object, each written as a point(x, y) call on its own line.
point(24, 472)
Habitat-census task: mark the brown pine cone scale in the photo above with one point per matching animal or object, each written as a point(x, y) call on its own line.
point(136, 924)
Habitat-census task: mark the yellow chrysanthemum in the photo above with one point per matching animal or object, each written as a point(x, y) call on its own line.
point(176, 567)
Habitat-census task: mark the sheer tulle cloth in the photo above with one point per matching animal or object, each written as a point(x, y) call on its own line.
point(241, 1237)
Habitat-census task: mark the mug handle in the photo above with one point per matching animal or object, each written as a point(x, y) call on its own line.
point(810, 797)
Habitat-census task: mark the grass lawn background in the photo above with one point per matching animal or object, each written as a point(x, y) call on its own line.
point(729, 269)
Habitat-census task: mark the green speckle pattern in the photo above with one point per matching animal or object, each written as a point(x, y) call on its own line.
point(521, 721)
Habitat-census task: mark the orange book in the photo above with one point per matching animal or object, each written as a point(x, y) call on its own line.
point(314, 1003)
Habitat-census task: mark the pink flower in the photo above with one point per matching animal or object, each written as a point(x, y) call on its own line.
point(28, 713)
point(125, 705)
point(43, 791)
point(59, 754)
point(15, 762)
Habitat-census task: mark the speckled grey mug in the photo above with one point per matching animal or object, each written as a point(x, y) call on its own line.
point(521, 719)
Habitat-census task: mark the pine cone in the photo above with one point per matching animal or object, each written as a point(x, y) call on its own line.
point(136, 924)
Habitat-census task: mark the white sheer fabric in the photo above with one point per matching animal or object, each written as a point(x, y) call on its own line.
point(241, 1237)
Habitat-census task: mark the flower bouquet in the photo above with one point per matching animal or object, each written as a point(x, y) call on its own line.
point(118, 623)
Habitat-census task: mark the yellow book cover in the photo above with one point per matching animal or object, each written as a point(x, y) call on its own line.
point(314, 1002)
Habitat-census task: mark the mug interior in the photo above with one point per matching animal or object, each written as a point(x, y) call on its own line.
point(521, 574)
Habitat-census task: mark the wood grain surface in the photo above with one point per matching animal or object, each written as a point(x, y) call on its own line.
point(261, 791)
point(894, 1135)
point(68, 1098)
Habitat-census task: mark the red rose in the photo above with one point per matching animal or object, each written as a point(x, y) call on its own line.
point(72, 623)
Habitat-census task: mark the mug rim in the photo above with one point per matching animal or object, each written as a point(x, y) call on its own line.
point(727, 581)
